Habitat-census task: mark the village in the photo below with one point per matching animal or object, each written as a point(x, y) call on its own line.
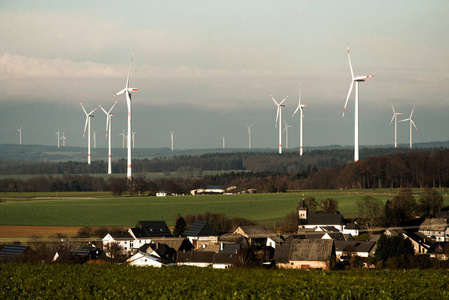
point(322, 241)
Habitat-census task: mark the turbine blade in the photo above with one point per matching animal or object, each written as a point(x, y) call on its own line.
point(391, 120)
point(103, 109)
point(107, 124)
point(129, 70)
point(283, 100)
point(411, 121)
point(394, 112)
point(274, 100)
point(113, 106)
point(83, 108)
point(85, 126)
point(119, 93)
point(347, 98)
point(277, 117)
point(93, 110)
point(349, 59)
point(413, 109)
point(404, 120)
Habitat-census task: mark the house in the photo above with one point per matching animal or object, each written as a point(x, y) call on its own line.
point(151, 229)
point(305, 254)
point(161, 194)
point(14, 253)
point(437, 229)
point(209, 190)
point(123, 239)
point(420, 242)
point(260, 236)
point(201, 234)
point(439, 250)
point(82, 255)
point(207, 259)
point(324, 220)
point(360, 248)
point(352, 229)
point(143, 259)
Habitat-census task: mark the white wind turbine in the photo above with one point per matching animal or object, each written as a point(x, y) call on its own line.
point(95, 138)
point(171, 138)
point(134, 132)
point(249, 135)
point(124, 138)
point(109, 129)
point(356, 79)
point(88, 117)
point(301, 116)
point(286, 133)
point(57, 133)
point(395, 118)
point(411, 123)
point(127, 90)
point(20, 134)
point(223, 140)
point(63, 138)
point(279, 117)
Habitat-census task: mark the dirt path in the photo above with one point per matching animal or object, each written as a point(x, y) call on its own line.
point(28, 231)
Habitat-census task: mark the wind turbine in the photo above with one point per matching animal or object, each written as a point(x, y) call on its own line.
point(20, 134)
point(355, 79)
point(63, 138)
point(223, 140)
point(57, 133)
point(124, 137)
point(127, 90)
point(411, 123)
point(109, 129)
point(134, 132)
point(300, 107)
point(279, 116)
point(249, 135)
point(171, 138)
point(395, 118)
point(88, 117)
point(95, 138)
point(286, 133)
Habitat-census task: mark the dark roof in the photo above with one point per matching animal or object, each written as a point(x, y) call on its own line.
point(207, 257)
point(259, 232)
point(329, 229)
point(325, 219)
point(121, 235)
point(200, 228)
point(11, 253)
point(352, 226)
point(336, 236)
point(230, 248)
point(176, 243)
point(305, 250)
point(357, 246)
point(433, 225)
point(152, 229)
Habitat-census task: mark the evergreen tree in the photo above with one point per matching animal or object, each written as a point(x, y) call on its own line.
point(180, 226)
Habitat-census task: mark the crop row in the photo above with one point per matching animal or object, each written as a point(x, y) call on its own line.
point(111, 281)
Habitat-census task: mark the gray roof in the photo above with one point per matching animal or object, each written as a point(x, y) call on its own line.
point(206, 257)
point(336, 236)
point(305, 250)
point(259, 232)
point(357, 246)
point(433, 225)
point(121, 235)
point(230, 248)
point(352, 226)
point(151, 229)
point(325, 219)
point(200, 228)
point(11, 253)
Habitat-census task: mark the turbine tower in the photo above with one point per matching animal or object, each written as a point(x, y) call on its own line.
point(249, 135)
point(223, 140)
point(95, 138)
point(20, 134)
point(411, 123)
point(279, 117)
point(395, 118)
point(88, 117)
point(57, 133)
point(171, 138)
point(300, 107)
point(63, 138)
point(286, 133)
point(134, 132)
point(355, 79)
point(127, 90)
point(124, 137)
point(109, 129)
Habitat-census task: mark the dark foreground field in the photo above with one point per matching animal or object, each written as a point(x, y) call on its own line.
point(118, 282)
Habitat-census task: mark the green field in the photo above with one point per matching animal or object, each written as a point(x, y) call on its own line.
point(27, 281)
point(100, 209)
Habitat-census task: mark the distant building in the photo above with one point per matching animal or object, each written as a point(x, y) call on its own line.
point(436, 229)
point(201, 234)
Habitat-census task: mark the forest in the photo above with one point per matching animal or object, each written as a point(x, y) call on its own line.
point(261, 171)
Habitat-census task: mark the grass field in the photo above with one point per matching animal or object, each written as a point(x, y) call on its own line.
point(99, 209)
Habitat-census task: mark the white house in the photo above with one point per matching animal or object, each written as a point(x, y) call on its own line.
point(146, 260)
point(436, 229)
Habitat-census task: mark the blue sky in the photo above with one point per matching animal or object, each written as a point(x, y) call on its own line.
point(206, 68)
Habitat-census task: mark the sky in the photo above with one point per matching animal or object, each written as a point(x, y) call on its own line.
point(206, 68)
